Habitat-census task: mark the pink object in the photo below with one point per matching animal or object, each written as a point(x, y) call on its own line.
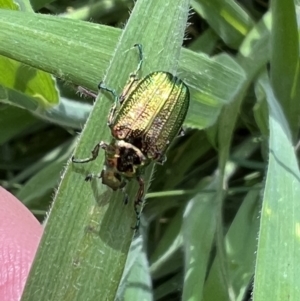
point(20, 233)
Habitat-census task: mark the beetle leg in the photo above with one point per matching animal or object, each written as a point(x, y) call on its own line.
point(113, 109)
point(161, 159)
point(138, 201)
point(126, 198)
point(133, 77)
point(101, 86)
point(95, 153)
point(91, 176)
point(86, 92)
point(111, 114)
point(181, 132)
point(140, 49)
point(130, 85)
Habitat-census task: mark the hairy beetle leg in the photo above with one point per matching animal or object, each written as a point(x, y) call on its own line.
point(138, 202)
point(95, 153)
point(86, 92)
point(141, 55)
point(91, 176)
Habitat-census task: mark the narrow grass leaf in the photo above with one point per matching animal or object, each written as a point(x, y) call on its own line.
point(84, 51)
point(285, 63)
point(227, 18)
point(88, 233)
point(278, 254)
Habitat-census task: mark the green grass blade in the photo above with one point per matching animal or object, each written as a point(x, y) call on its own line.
point(136, 278)
point(255, 47)
point(278, 255)
point(166, 249)
point(285, 63)
point(88, 234)
point(198, 231)
point(84, 50)
point(240, 243)
point(228, 19)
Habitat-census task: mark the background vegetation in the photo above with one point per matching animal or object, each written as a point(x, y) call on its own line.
point(222, 215)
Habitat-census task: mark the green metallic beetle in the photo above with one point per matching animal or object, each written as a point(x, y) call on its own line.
point(144, 120)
